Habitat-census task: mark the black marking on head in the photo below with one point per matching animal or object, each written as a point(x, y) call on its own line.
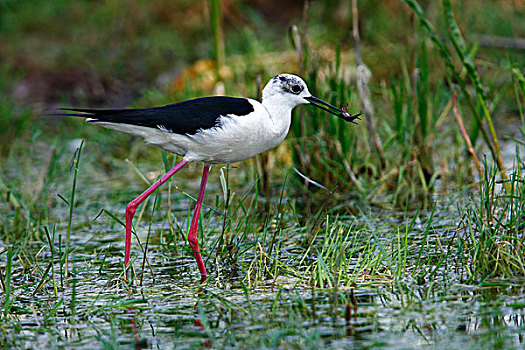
point(289, 83)
point(187, 117)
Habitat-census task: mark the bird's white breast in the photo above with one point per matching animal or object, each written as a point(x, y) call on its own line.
point(239, 137)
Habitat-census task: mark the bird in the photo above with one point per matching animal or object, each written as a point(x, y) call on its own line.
point(211, 130)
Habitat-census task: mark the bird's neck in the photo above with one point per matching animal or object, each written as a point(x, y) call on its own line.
point(280, 111)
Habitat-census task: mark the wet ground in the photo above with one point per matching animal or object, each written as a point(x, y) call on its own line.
point(362, 282)
point(278, 278)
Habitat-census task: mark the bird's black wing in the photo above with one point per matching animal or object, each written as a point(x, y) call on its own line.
point(186, 117)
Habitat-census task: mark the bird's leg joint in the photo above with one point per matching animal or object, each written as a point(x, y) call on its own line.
point(131, 208)
point(193, 241)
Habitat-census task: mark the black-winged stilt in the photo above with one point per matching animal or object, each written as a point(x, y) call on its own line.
point(211, 130)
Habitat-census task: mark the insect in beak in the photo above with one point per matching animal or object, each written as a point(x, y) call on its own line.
point(339, 112)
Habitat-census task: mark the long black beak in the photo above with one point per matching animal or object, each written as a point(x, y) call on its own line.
point(339, 112)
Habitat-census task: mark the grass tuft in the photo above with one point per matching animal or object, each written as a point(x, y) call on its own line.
point(493, 239)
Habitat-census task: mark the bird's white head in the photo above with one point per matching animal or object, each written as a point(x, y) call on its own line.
point(288, 91)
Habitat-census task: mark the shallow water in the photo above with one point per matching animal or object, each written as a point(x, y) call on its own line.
point(396, 289)
point(94, 308)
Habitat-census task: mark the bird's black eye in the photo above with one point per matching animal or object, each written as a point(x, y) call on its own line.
point(296, 89)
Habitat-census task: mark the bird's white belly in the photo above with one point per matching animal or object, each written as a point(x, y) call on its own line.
point(235, 140)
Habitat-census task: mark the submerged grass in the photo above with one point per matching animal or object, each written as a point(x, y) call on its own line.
point(275, 281)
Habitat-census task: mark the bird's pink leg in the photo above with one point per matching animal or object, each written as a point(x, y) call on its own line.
point(132, 206)
point(192, 235)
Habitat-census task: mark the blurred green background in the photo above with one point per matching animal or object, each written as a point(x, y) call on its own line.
point(146, 53)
